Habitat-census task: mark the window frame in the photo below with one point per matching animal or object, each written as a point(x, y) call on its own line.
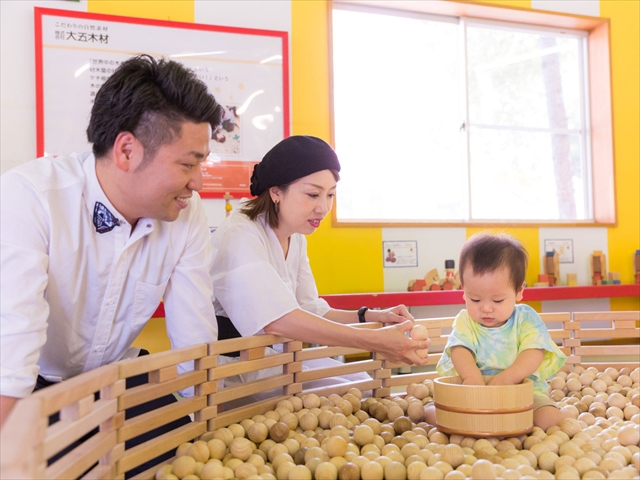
point(599, 100)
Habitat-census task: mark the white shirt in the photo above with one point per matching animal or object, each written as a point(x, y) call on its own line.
point(73, 299)
point(253, 283)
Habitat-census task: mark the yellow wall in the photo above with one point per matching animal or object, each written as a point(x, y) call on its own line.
point(625, 46)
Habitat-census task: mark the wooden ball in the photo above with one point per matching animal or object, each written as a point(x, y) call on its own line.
point(199, 451)
point(336, 446)
point(299, 472)
point(241, 448)
point(183, 466)
point(349, 471)
point(629, 435)
point(217, 448)
point(363, 435)
point(395, 470)
point(279, 432)
point(402, 424)
point(326, 471)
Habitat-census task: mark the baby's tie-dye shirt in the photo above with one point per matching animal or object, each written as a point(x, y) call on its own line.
point(495, 349)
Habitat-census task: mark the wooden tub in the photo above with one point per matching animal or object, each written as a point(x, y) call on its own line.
point(483, 410)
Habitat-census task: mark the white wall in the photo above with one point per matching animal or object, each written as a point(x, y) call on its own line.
point(18, 78)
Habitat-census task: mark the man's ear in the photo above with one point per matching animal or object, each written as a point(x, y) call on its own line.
point(123, 149)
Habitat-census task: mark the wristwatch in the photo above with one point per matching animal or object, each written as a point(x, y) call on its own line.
point(361, 312)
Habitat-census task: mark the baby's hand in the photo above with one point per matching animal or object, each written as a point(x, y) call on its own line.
point(501, 379)
point(473, 380)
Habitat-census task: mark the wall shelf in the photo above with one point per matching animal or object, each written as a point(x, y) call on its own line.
point(454, 297)
point(354, 301)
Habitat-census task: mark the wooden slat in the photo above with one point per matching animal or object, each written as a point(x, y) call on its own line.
point(238, 368)
point(100, 472)
point(601, 366)
point(77, 409)
point(150, 474)
point(206, 388)
point(382, 392)
point(559, 334)
point(607, 350)
point(20, 438)
point(163, 374)
point(148, 363)
point(58, 396)
point(148, 421)
point(207, 413)
point(81, 458)
point(243, 343)
point(572, 326)
point(293, 367)
point(342, 388)
point(205, 363)
point(345, 369)
point(621, 324)
point(555, 317)
point(438, 341)
point(238, 414)
point(326, 352)
point(399, 381)
point(65, 432)
point(609, 333)
point(148, 450)
point(611, 316)
point(436, 323)
point(571, 342)
point(382, 373)
point(250, 388)
point(144, 393)
point(252, 354)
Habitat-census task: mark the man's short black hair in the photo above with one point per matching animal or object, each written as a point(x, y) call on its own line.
point(151, 99)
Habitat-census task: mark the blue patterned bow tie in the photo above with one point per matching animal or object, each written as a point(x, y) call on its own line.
point(103, 219)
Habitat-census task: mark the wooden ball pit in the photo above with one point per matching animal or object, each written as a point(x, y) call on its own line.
point(483, 410)
point(584, 450)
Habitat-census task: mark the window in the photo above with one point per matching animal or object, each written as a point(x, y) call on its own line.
point(444, 119)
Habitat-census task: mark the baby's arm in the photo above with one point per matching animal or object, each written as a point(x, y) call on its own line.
point(466, 367)
point(525, 364)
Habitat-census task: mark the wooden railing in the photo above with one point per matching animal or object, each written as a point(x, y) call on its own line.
point(97, 400)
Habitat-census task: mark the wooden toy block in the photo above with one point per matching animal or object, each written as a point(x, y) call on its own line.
point(597, 267)
point(432, 278)
point(551, 262)
point(572, 279)
point(543, 280)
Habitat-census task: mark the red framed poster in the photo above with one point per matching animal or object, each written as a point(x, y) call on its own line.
point(247, 70)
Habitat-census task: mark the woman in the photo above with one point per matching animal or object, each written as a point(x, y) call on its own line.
point(262, 281)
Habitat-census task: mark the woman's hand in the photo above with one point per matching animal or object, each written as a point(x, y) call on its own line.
point(393, 343)
point(397, 314)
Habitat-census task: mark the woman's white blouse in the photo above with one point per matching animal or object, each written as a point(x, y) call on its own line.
point(253, 283)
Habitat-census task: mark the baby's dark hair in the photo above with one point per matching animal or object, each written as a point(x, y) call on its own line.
point(486, 253)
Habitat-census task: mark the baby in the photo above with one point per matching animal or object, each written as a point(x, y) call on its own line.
point(494, 335)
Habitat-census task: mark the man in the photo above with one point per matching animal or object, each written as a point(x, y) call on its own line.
point(91, 243)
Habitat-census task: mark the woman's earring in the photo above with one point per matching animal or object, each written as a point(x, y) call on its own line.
point(277, 206)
